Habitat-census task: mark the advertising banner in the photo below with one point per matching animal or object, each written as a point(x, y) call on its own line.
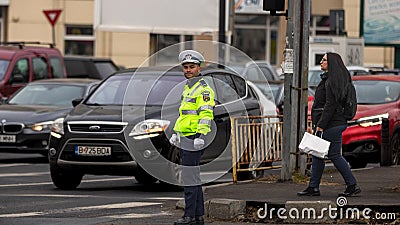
point(381, 21)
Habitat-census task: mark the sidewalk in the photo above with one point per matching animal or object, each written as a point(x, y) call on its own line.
point(380, 191)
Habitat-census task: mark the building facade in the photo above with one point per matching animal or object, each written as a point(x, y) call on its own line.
point(256, 33)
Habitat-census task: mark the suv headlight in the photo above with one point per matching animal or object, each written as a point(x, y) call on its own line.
point(57, 126)
point(372, 120)
point(149, 128)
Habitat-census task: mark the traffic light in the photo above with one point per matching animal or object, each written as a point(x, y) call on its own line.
point(274, 5)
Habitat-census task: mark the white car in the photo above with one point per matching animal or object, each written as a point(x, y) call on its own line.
point(315, 72)
point(267, 103)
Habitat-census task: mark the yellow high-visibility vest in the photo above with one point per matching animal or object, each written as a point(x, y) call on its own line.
point(196, 110)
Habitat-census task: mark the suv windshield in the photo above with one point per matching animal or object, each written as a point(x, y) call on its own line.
point(376, 92)
point(3, 67)
point(160, 90)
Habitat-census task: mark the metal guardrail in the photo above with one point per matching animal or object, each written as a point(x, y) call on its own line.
point(257, 143)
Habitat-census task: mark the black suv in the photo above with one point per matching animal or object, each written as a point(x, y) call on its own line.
point(89, 67)
point(123, 127)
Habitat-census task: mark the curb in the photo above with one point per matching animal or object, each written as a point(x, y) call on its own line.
point(294, 212)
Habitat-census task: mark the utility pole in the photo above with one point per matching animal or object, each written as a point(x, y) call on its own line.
point(295, 67)
point(288, 110)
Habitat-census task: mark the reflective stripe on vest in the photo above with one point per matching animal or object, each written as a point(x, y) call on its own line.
point(205, 107)
point(204, 121)
point(187, 112)
point(192, 100)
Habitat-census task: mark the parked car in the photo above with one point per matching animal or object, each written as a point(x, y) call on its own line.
point(314, 75)
point(123, 127)
point(89, 67)
point(26, 117)
point(377, 98)
point(256, 71)
point(24, 62)
point(273, 91)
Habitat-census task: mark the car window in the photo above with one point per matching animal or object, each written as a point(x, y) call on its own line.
point(376, 92)
point(268, 74)
point(254, 73)
point(3, 68)
point(48, 94)
point(56, 67)
point(225, 89)
point(105, 68)
point(75, 68)
point(21, 68)
point(240, 85)
point(39, 68)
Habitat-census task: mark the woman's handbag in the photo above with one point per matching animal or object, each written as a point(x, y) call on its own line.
point(314, 145)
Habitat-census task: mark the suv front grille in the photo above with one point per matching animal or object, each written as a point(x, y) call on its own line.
point(12, 128)
point(96, 127)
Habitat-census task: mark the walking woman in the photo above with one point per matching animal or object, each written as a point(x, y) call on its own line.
point(328, 119)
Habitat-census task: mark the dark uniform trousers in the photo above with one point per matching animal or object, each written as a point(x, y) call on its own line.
point(194, 200)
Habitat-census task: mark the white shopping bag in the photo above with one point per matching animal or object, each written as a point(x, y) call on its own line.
point(314, 145)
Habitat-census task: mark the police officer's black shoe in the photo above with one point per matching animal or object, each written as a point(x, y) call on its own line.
point(351, 191)
point(199, 220)
point(186, 220)
point(309, 191)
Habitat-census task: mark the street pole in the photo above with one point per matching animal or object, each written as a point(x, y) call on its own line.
point(221, 34)
point(295, 67)
point(301, 67)
point(287, 66)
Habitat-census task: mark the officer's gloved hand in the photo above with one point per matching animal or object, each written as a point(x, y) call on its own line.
point(198, 143)
point(174, 139)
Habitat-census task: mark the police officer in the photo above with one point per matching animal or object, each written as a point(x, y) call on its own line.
point(192, 126)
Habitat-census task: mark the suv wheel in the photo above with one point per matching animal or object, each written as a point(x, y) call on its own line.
point(143, 177)
point(65, 181)
point(395, 147)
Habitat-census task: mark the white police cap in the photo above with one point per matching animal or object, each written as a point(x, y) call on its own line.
point(190, 56)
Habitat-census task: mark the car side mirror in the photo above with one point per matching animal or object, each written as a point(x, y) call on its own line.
point(76, 101)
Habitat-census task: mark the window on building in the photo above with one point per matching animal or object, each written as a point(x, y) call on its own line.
point(257, 36)
point(319, 25)
point(79, 40)
point(164, 55)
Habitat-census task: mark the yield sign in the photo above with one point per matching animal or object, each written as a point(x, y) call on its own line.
point(52, 15)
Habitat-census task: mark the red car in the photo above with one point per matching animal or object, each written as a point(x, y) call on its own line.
point(377, 98)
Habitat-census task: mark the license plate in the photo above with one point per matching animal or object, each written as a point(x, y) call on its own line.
point(8, 138)
point(92, 150)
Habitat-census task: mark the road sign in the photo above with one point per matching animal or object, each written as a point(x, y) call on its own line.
point(52, 15)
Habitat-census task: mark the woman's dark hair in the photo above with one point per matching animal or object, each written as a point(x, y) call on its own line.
point(338, 75)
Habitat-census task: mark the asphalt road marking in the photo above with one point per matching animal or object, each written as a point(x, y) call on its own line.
point(138, 215)
point(15, 164)
point(82, 209)
point(51, 183)
point(23, 174)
